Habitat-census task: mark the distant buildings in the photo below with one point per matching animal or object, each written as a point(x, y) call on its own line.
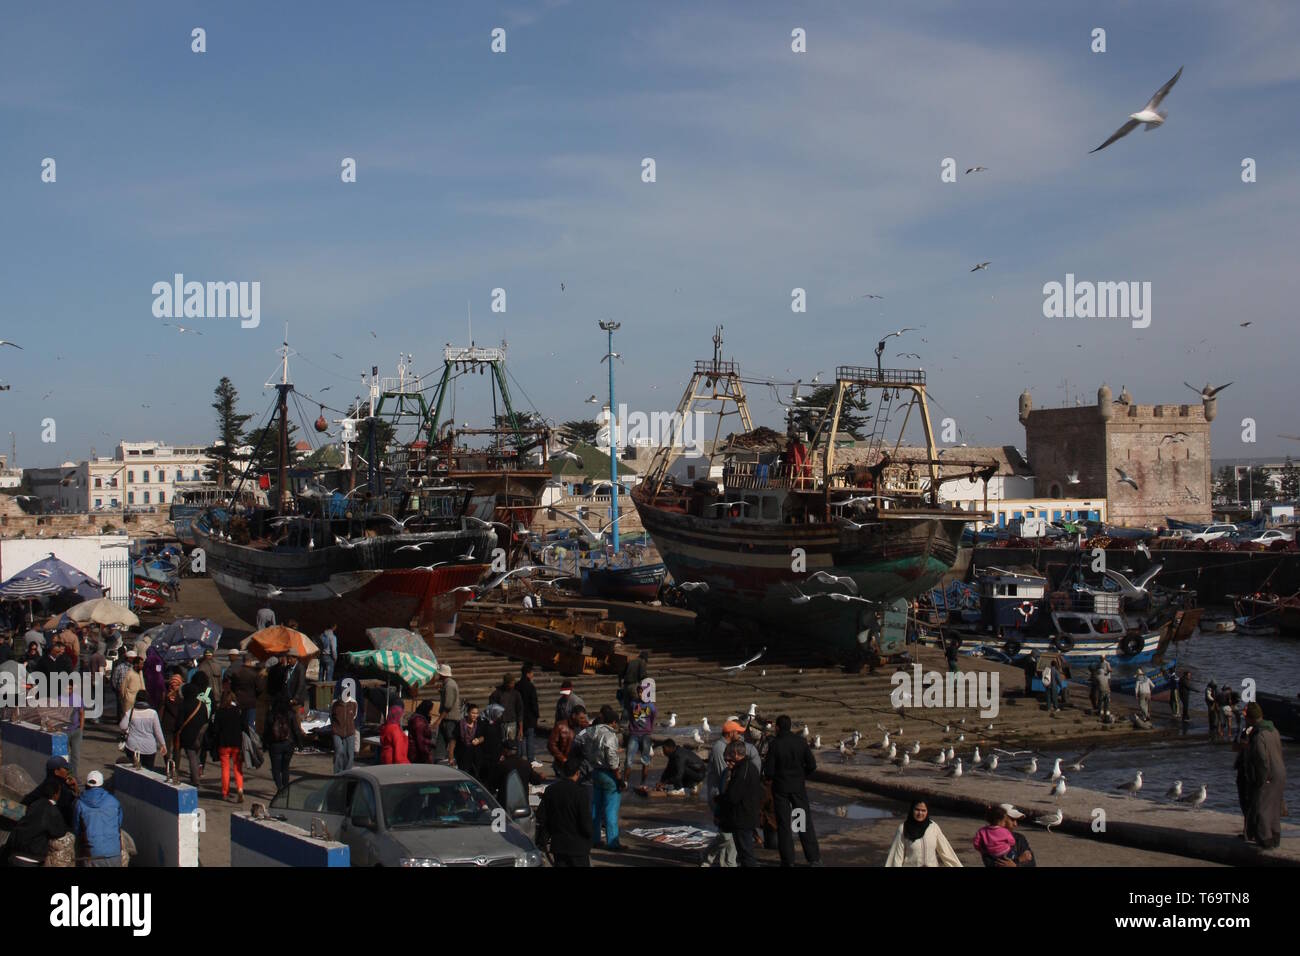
point(140, 476)
point(9, 477)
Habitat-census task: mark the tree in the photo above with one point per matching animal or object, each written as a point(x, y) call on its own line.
point(265, 444)
point(812, 408)
point(583, 431)
point(1225, 485)
point(385, 432)
point(230, 430)
point(1290, 480)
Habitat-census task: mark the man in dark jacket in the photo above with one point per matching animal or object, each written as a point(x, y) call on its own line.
point(564, 818)
point(685, 768)
point(789, 762)
point(295, 679)
point(531, 712)
point(633, 674)
point(243, 684)
point(57, 775)
point(512, 706)
point(738, 805)
point(511, 764)
point(29, 841)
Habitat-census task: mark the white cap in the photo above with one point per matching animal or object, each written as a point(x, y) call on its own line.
point(1012, 812)
point(94, 779)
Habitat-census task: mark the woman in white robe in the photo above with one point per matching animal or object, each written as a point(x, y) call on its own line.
point(920, 842)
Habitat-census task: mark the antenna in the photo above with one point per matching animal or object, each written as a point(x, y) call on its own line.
point(469, 310)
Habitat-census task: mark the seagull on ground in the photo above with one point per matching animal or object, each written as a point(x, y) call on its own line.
point(1133, 786)
point(1056, 770)
point(1196, 799)
point(672, 720)
point(1175, 792)
point(992, 764)
point(1050, 820)
point(942, 759)
point(704, 726)
point(1058, 790)
point(955, 770)
point(1030, 770)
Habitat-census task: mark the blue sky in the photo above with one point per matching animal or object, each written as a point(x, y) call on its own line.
point(522, 171)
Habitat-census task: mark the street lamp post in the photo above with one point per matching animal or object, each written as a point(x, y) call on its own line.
point(610, 328)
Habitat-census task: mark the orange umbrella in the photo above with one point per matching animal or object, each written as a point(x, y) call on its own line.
point(278, 640)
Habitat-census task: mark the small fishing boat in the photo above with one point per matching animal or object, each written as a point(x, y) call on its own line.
point(1218, 624)
point(638, 582)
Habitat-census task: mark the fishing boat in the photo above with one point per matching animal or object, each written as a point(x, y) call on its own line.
point(409, 552)
point(1284, 712)
point(187, 505)
point(1265, 609)
point(637, 582)
point(791, 544)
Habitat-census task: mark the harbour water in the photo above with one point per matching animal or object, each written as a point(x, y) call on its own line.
point(1272, 662)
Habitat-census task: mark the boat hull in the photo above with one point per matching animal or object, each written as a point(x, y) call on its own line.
point(639, 583)
point(371, 584)
point(757, 570)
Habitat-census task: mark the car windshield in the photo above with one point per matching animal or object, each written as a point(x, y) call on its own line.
point(446, 804)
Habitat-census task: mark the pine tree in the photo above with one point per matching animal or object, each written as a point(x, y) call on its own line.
point(230, 430)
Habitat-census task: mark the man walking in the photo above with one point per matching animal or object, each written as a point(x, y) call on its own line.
point(1265, 778)
point(601, 751)
point(329, 652)
point(739, 804)
point(1103, 694)
point(564, 818)
point(567, 703)
point(789, 762)
point(1143, 690)
point(530, 713)
point(449, 711)
point(724, 850)
point(343, 716)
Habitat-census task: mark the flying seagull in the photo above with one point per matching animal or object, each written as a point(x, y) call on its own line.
point(1209, 391)
point(981, 265)
point(1151, 114)
point(1072, 478)
point(741, 666)
point(976, 169)
point(870, 295)
point(592, 400)
point(11, 344)
point(700, 586)
point(825, 577)
point(1126, 479)
point(1244, 324)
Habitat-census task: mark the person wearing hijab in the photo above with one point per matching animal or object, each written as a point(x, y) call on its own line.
point(420, 732)
point(392, 741)
point(1265, 779)
point(470, 738)
point(343, 719)
point(144, 733)
point(920, 842)
point(171, 711)
point(192, 729)
point(155, 683)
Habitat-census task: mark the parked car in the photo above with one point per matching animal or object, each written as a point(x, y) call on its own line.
point(1214, 532)
point(411, 815)
point(1268, 537)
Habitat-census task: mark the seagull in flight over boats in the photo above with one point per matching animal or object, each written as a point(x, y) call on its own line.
point(1195, 799)
point(272, 591)
point(976, 169)
point(413, 547)
point(567, 456)
point(1072, 478)
point(1126, 479)
point(1175, 792)
point(847, 598)
point(800, 597)
point(955, 769)
point(825, 577)
point(870, 296)
point(889, 335)
point(702, 587)
point(183, 328)
point(1058, 788)
point(1133, 786)
point(1151, 115)
point(593, 400)
point(1138, 587)
point(344, 542)
point(1050, 820)
point(982, 266)
point(12, 345)
point(1176, 437)
point(913, 355)
point(1209, 391)
point(743, 664)
point(616, 355)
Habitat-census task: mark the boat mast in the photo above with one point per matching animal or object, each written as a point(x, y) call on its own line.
point(610, 328)
point(284, 388)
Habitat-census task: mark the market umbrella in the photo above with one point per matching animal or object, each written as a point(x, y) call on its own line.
point(184, 639)
point(102, 611)
point(412, 669)
point(49, 576)
point(277, 641)
point(399, 639)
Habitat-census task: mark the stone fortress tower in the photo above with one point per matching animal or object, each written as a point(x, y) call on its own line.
point(1164, 448)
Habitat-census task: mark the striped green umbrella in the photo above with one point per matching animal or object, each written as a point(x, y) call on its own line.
point(415, 671)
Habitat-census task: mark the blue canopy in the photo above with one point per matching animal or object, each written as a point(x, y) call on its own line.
point(184, 639)
point(49, 576)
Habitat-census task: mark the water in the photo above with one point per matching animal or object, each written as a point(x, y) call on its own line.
point(1272, 662)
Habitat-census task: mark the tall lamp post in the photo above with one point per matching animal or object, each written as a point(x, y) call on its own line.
point(610, 328)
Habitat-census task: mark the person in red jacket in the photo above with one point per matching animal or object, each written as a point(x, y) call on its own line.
point(392, 741)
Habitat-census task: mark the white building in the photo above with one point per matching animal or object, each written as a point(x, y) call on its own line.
point(9, 477)
point(140, 475)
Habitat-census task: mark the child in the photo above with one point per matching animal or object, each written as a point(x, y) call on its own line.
point(994, 841)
